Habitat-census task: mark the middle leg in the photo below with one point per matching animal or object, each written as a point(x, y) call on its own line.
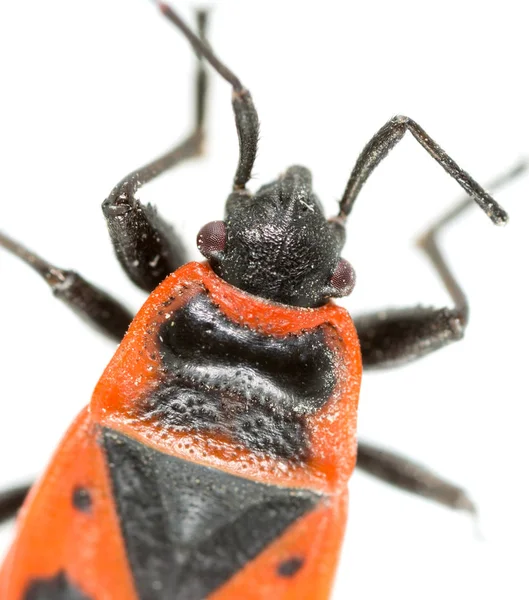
point(412, 477)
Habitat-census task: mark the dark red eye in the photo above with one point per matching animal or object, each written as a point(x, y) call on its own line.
point(211, 239)
point(343, 278)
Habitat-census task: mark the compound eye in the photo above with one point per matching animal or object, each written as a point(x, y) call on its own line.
point(211, 239)
point(343, 279)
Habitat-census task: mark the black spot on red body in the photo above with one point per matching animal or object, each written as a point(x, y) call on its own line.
point(225, 378)
point(288, 568)
point(82, 499)
point(187, 527)
point(58, 587)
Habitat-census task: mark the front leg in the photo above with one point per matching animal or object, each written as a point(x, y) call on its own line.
point(393, 337)
point(145, 244)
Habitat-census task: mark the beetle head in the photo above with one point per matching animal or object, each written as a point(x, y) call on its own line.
point(277, 244)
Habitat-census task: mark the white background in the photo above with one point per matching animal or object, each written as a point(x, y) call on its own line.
point(93, 89)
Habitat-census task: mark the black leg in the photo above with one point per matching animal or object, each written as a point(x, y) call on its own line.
point(246, 120)
point(146, 245)
point(88, 301)
point(11, 500)
point(407, 475)
point(392, 337)
point(385, 140)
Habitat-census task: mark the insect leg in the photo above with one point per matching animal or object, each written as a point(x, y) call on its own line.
point(389, 338)
point(385, 140)
point(412, 477)
point(146, 245)
point(91, 303)
point(11, 500)
point(246, 120)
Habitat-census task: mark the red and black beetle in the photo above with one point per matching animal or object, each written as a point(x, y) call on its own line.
point(293, 174)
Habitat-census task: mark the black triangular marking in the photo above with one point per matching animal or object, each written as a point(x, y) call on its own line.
point(189, 528)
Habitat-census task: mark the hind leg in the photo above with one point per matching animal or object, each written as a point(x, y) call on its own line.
point(11, 500)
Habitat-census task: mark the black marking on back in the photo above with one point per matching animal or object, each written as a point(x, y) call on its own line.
point(288, 568)
point(189, 528)
point(81, 499)
point(254, 388)
point(54, 588)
